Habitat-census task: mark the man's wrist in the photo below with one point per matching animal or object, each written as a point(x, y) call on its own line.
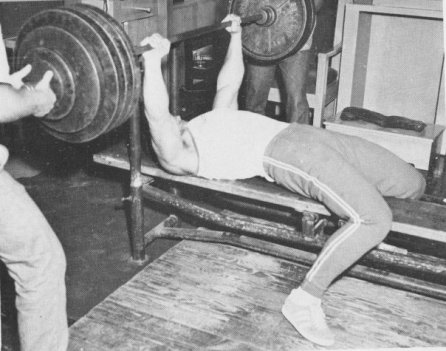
point(152, 60)
point(30, 99)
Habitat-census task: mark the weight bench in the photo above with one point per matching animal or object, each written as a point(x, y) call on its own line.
point(418, 220)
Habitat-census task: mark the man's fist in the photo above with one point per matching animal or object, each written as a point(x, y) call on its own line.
point(160, 46)
point(235, 26)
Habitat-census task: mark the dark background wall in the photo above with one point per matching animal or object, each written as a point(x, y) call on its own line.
point(13, 14)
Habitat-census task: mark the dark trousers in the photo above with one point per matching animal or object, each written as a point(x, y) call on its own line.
point(294, 71)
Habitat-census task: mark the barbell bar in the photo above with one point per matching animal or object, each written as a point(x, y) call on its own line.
point(265, 17)
point(97, 77)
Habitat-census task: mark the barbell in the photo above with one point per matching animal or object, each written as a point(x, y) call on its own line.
point(97, 78)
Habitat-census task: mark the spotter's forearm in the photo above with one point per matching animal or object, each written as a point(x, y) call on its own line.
point(15, 103)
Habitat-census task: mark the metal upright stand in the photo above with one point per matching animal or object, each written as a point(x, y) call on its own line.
point(135, 153)
point(174, 78)
point(136, 182)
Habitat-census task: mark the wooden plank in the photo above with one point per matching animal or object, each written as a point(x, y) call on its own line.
point(413, 147)
point(214, 297)
point(411, 217)
point(256, 189)
point(418, 218)
point(420, 4)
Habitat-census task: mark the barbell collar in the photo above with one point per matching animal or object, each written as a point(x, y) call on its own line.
point(269, 16)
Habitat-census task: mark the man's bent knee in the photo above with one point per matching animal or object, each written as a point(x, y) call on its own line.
point(382, 220)
point(411, 186)
point(419, 186)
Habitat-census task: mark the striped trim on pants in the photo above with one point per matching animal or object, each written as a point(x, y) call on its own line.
point(350, 177)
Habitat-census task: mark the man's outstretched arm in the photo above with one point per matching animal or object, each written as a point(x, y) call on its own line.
point(231, 74)
point(167, 138)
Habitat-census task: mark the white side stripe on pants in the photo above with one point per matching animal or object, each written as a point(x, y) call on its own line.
point(354, 216)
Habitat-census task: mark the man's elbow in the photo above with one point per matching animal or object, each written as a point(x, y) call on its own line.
point(171, 165)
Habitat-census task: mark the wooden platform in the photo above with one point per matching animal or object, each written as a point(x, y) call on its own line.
point(201, 296)
point(416, 218)
point(413, 147)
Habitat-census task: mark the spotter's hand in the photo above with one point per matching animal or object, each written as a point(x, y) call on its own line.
point(235, 26)
point(43, 96)
point(160, 47)
point(16, 79)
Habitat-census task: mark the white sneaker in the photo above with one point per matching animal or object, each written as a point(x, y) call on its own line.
point(309, 321)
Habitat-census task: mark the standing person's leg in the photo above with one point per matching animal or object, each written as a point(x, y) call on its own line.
point(294, 71)
point(258, 81)
point(35, 260)
point(310, 167)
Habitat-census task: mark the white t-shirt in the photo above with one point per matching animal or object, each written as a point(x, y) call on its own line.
point(231, 143)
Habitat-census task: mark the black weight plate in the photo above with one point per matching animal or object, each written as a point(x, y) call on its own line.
point(111, 45)
point(310, 25)
point(130, 59)
point(104, 67)
point(62, 83)
point(288, 33)
point(124, 48)
point(112, 83)
point(57, 42)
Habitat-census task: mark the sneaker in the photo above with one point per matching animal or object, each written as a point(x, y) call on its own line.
point(309, 321)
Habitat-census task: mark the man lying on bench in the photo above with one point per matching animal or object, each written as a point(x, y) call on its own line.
point(347, 174)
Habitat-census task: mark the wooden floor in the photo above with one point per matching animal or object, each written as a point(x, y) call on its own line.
point(217, 297)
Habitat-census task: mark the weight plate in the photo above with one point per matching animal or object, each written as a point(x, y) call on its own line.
point(100, 64)
point(132, 65)
point(111, 82)
point(62, 83)
point(111, 46)
point(310, 25)
point(58, 44)
point(118, 39)
point(289, 31)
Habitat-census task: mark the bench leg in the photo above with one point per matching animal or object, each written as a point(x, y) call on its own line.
point(136, 181)
point(312, 225)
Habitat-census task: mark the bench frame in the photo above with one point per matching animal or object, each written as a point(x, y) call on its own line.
point(263, 236)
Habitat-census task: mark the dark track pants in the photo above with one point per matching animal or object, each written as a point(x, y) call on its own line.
point(350, 176)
